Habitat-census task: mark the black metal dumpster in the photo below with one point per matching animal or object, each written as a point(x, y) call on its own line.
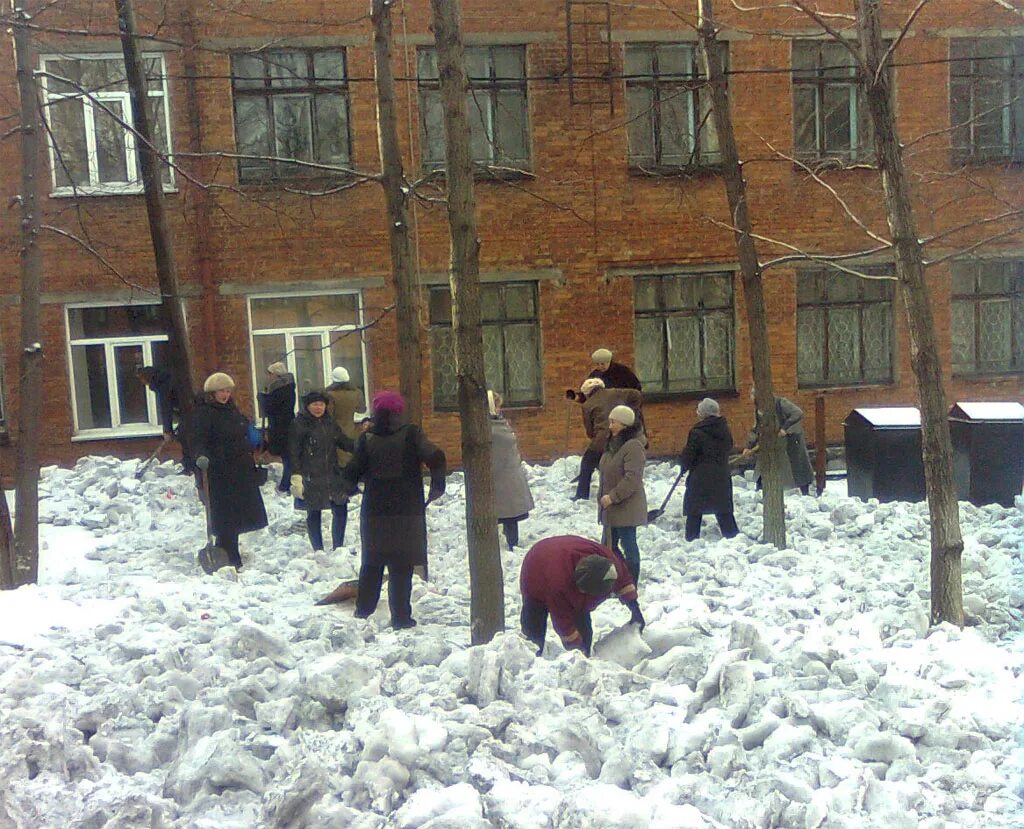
point(883, 454)
point(988, 451)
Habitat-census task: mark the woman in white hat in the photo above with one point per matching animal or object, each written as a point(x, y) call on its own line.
point(621, 496)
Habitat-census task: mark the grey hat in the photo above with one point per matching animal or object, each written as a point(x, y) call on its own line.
point(595, 575)
point(708, 408)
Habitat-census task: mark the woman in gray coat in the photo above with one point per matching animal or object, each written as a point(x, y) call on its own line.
point(620, 495)
point(512, 497)
point(790, 419)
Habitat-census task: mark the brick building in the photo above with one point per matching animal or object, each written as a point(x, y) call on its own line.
point(601, 218)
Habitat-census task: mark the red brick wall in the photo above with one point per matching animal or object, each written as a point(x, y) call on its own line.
point(583, 213)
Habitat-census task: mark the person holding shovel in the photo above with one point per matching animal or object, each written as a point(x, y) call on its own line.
point(220, 440)
point(567, 576)
point(621, 498)
point(709, 485)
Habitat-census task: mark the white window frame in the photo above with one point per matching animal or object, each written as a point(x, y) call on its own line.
point(90, 101)
point(116, 429)
point(326, 333)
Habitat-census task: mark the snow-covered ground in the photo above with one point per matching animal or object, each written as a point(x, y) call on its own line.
point(794, 688)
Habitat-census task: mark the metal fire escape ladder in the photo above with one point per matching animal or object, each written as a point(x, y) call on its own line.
point(588, 35)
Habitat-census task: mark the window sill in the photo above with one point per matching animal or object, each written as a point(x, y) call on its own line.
point(675, 396)
point(694, 171)
point(837, 165)
point(967, 160)
point(327, 181)
point(487, 173)
point(124, 433)
point(872, 384)
point(72, 192)
point(990, 377)
point(510, 407)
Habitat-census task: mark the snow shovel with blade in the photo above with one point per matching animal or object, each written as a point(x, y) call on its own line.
point(145, 464)
point(346, 591)
point(211, 557)
point(655, 514)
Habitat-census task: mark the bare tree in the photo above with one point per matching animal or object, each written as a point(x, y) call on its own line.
point(486, 585)
point(946, 542)
point(396, 193)
point(770, 451)
point(26, 475)
point(152, 183)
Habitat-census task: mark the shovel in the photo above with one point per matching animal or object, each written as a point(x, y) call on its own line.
point(655, 514)
point(145, 464)
point(211, 557)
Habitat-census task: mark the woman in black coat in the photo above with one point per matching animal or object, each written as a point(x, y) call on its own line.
point(709, 486)
point(313, 443)
point(220, 440)
point(277, 403)
point(388, 459)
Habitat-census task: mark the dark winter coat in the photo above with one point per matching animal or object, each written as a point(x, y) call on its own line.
point(312, 448)
point(346, 400)
point(597, 408)
point(221, 433)
point(617, 376)
point(278, 406)
point(622, 478)
point(790, 418)
point(161, 383)
point(548, 576)
point(512, 497)
point(388, 459)
point(706, 457)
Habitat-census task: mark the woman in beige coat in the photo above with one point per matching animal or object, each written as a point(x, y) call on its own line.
point(621, 496)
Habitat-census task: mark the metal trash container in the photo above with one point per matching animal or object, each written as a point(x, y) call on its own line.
point(988, 451)
point(883, 454)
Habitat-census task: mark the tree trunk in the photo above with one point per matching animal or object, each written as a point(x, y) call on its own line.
point(163, 250)
point(486, 584)
point(770, 452)
point(396, 192)
point(946, 541)
point(26, 474)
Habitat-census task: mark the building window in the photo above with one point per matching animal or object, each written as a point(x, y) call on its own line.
point(844, 327)
point(830, 116)
point(107, 345)
point(86, 106)
point(290, 106)
point(683, 332)
point(668, 108)
point(986, 98)
point(496, 107)
point(311, 334)
point(511, 330)
point(988, 317)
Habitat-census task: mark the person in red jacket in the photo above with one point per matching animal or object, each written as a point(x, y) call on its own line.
point(567, 576)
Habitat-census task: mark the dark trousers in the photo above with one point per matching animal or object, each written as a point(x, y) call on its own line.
point(533, 619)
point(228, 542)
point(510, 527)
point(339, 520)
point(371, 578)
point(588, 465)
point(624, 543)
point(726, 523)
point(286, 474)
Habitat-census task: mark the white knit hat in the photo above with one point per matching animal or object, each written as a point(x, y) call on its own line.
point(708, 408)
point(602, 355)
point(277, 368)
point(218, 381)
point(340, 375)
point(625, 415)
point(591, 384)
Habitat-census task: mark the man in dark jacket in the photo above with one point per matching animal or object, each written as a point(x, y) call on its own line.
point(706, 457)
point(277, 404)
point(615, 375)
point(566, 577)
point(387, 459)
point(161, 382)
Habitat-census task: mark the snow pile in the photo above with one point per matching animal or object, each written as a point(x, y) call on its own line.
point(793, 688)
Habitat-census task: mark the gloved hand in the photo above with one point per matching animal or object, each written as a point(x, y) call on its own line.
point(635, 616)
point(203, 462)
point(297, 488)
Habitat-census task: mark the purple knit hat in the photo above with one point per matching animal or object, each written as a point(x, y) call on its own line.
point(388, 401)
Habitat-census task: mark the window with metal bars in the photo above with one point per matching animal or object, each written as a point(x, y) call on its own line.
point(684, 332)
point(844, 325)
point(988, 318)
